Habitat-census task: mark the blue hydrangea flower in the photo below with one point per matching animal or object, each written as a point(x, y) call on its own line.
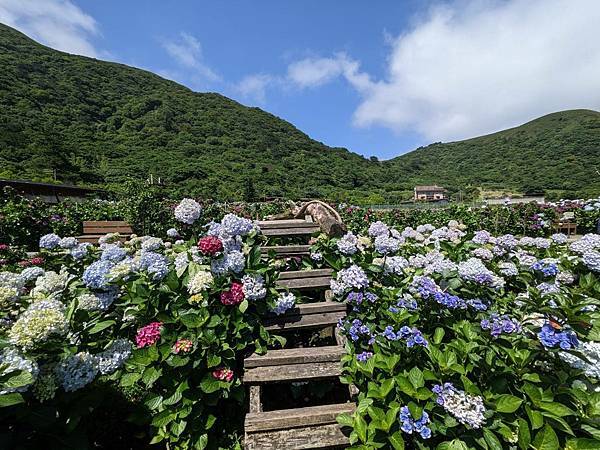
point(551, 338)
point(95, 275)
point(113, 252)
point(49, 241)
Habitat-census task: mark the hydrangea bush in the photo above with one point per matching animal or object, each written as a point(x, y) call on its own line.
point(165, 321)
point(463, 340)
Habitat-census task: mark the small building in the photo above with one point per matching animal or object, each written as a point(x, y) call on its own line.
point(48, 192)
point(430, 193)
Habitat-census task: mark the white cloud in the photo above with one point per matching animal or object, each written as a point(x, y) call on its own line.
point(479, 66)
point(255, 86)
point(312, 72)
point(57, 23)
point(187, 51)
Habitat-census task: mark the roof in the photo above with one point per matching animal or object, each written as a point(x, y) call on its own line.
point(55, 189)
point(429, 188)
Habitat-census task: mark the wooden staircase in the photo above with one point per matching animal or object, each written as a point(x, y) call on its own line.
point(305, 427)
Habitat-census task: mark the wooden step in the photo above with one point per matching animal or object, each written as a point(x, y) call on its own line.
point(307, 315)
point(288, 356)
point(305, 279)
point(93, 238)
point(283, 251)
point(300, 428)
point(294, 364)
point(291, 227)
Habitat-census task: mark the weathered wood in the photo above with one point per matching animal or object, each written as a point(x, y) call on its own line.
point(308, 315)
point(286, 250)
point(93, 238)
point(295, 356)
point(297, 417)
point(321, 436)
point(296, 322)
point(291, 223)
point(305, 283)
point(313, 273)
point(293, 372)
point(104, 223)
point(304, 231)
point(255, 405)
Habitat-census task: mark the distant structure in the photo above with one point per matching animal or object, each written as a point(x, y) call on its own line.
point(48, 192)
point(514, 200)
point(430, 194)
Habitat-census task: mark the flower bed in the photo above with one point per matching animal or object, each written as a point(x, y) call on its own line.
point(157, 326)
point(465, 340)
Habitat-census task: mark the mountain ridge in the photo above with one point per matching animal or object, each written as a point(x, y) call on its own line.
point(99, 123)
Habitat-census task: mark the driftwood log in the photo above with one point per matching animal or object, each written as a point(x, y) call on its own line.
point(328, 218)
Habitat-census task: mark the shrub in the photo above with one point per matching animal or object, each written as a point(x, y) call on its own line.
point(464, 340)
point(158, 325)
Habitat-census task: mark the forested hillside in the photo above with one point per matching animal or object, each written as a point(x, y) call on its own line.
point(99, 123)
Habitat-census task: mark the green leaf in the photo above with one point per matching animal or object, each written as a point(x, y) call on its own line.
point(438, 335)
point(243, 306)
point(209, 384)
point(582, 444)
point(154, 401)
point(524, 435)
point(213, 361)
point(10, 399)
point(163, 418)
point(557, 409)
point(507, 403)
point(594, 432)
point(546, 439)
point(21, 379)
point(101, 326)
point(492, 440)
point(360, 426)
point(345, 420)
point(397, 441)
point(129, 379)
point(416, 377)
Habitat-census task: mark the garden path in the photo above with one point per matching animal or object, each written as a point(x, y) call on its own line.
point(304, 427)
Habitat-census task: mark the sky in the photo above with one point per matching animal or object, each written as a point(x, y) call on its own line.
point(378, 77)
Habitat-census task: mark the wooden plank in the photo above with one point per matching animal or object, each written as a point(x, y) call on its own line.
point(296, 322)
point(314, 308)
point(308, 315)
point(293, 372)
point(295, 356)
point(286, 250)
point(255, 405)
point(292, 223)
point(313, 273)
point(305, 283)
point(297, 417)
point(93, 238)
point(320, 436)
point(96, 230)
point(104, 223)
point(290, 231)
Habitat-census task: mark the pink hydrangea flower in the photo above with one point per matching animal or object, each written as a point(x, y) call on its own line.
point(210, 245)
point(223, 374)
point(148, 335)
point(234, 296)
point(182, 345)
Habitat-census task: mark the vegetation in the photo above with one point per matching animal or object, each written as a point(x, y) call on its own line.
point(98, 123)
point(115, 346)
point(462, 341)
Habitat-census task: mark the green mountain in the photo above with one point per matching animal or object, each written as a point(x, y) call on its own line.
point(99, 123)
point(559, 153)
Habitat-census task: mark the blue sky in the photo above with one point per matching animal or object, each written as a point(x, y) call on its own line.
point(242, 38)
point(379, 78)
